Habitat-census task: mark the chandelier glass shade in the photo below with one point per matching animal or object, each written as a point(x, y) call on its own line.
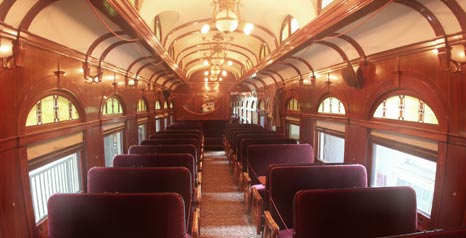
point(226, 20)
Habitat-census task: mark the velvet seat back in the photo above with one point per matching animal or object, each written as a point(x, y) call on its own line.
point(159, 160)
point(142, 180)
point(245, 143)
point(262, 134)
point(164, 149)
point(261, 156)
point(284, 181)
point(196, 136)
point(175, 141)
point(116, 215)
point(357, 212)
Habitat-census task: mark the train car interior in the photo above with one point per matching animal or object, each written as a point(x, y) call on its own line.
point(232, 118)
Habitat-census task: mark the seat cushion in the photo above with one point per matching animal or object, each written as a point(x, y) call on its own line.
point(287, 233)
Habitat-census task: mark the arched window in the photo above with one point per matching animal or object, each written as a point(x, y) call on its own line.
point(293, 105)
point(264, 51)
point(157, 105)
point(112, 106)
point(142, 106)
point(158, 28)
point(332, 105)
point(405, 108)
point(165, 105)
point(52, 109)
point(172, 105)
point(289, 26)
point(325, 3)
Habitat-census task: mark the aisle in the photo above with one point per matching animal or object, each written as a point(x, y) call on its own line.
point(222, 210)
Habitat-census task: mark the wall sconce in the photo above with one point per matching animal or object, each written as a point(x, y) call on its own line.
point(10, 53)
point(91, 76)
point(131, 82)
point(457, 57)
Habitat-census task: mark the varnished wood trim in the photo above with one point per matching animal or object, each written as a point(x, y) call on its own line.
point(271, 76)
point(209, 44)
point(276, 73)
point(33, 12)
point(5, 7)
point(427, 14)
point(458, 11)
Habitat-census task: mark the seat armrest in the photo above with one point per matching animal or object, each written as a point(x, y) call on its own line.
point(270, 226)
point(256, 210)
point(199, 178)
point(196, 229)
point(247, 190)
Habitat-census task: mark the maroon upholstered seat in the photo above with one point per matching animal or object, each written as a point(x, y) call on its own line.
point(157, 160)
point(175, 141)
point(456, 232)
point(259, 157)
point(284, 181)
point(144, 180)
point(356, 212)
point(165, 149)
point(116, 215)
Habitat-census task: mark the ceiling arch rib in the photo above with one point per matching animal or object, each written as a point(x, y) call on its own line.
point(255, 88)
point(194, 49)
point(33, 12)
point(264, 85)
point(458, 11)
point(194, 27)
point(271, 76)
point(276, 73)
point(5, 7)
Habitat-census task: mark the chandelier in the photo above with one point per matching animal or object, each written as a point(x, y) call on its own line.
point(216, 62)
point(226, 18)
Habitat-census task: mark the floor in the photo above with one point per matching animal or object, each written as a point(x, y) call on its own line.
point(223, 213)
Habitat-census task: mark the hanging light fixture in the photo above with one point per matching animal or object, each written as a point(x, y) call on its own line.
point(226, 18)
point(226, 15)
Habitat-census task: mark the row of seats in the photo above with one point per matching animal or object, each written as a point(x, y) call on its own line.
point(153, 191)
point(293, 197)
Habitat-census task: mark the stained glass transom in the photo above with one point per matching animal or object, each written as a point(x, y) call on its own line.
point(332, 105)
point(293, 105)
point(142, 106)
point(406, 108)
point(52, 109)
point(112, 107)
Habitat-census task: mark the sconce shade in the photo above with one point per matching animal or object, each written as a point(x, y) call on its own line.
point(6, 48)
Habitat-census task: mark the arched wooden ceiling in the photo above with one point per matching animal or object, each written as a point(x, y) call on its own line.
point(115, 34)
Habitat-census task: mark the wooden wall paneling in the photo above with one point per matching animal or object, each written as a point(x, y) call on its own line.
point(453, 196)
point(13, 209)
point(356, 145)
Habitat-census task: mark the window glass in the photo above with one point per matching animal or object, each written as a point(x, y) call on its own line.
point(112, 107)
point(165, 122)
point(293, 105)
point(142, 107)
point(325, 3)
point(332, 105)
point(157, 125)
point(262, 121)
point(59, 176)
point(52, 109)
point(113, 145)
point(142, 132)
point(405, 108)
point(293, 131)
point(396, 168)
point(157, 105)
point(331, 148)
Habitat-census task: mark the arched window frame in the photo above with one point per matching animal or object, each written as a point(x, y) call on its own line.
point(289, 26)
point(329, 110)
point(264, 51)
point(400, 108)
point(158, 106)
point(142, 105)
point(324, 4)
point(158, 28)
point(293, 105)
point(74, 110)
point(120, 110)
